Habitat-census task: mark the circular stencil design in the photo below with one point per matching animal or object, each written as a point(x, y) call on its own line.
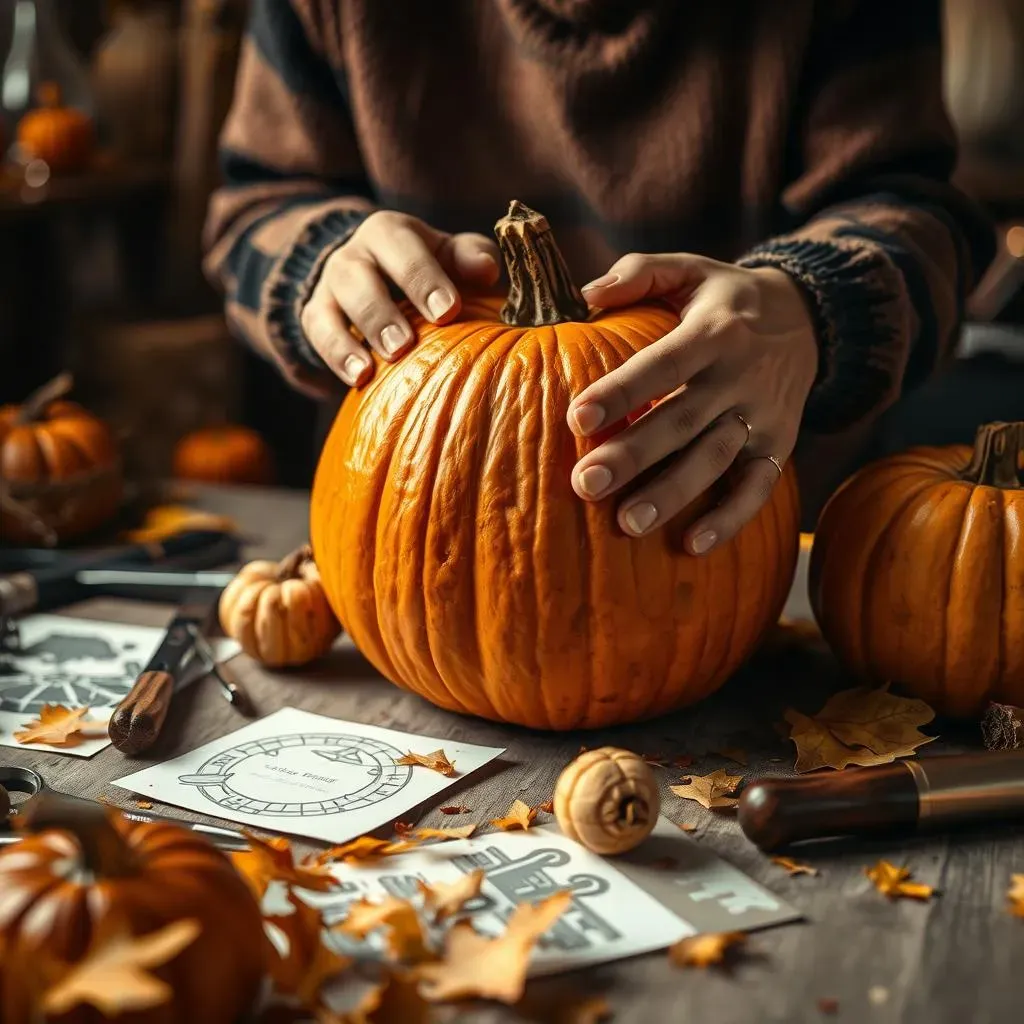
point(301, 776)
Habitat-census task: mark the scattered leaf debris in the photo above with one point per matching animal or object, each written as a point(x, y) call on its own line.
point(144, 805)
point(436, 762)
point(405, 937)
point(475, 966)
point(269, 860)
point(455, 809)
point(458, 832)
point(860, 726)
point(60, 726)
point(360, 850)
point(894, 882)
point(794, 867)
point(446, 899)
point(519, 815)
point(113, 976)
point(715, 948)
point(714, 790)
point(686, 826)
point(548, 807)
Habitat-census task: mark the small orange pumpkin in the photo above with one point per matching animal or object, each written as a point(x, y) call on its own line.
point(85, 866)
point(62, 137)
point(278, 611)
point(224, 455)
point(60, 469)
point(917, 572)
point(464, 566)
point(608, 800)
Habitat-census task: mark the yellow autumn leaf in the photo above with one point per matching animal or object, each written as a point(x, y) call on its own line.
point(446, 899)
point(895, 882)
point(520, 815)
point(436, 761)
point(711, 791)
point(706, 950)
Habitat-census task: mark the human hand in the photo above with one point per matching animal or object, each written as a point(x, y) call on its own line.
point(353, 290)
point(743, 354)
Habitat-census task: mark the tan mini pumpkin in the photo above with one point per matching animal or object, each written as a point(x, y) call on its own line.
point(278, 612)
point(607, 800)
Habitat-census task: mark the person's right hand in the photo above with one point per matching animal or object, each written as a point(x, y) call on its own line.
point(353, 288)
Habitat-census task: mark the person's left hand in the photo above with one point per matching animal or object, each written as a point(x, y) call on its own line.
point(743, 354)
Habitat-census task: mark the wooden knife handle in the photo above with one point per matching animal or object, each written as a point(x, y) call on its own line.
point(774, 813)
point(136, 722)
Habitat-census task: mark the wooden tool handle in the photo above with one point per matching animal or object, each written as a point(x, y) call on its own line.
point(774, 813)
point(138, 719)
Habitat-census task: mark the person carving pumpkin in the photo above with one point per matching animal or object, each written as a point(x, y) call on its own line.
point(779, 169)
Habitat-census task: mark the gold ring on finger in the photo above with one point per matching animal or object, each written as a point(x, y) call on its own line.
point(749, 429)
point(774, 461)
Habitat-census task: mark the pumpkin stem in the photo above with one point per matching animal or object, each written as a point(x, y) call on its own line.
point(541, 289)
point(105, 854)
point(633, 811)
point(997, 451)
point(289, 568)
point(34, 407)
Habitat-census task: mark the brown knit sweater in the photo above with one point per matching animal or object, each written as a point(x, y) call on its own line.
point(805, 134)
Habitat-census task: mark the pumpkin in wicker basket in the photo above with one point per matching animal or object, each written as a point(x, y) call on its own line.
point(60, 469)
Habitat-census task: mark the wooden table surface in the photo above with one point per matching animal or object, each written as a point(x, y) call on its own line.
point(958, 958)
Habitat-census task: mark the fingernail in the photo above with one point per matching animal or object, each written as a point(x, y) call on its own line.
point(704, 541)
point(353, 368)
point(589, 417)
point(601, 282)
point(595, 480)
point(641, 516)
point(393, 338)
point(439, 302)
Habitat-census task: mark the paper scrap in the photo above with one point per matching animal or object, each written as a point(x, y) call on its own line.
point(306, 775)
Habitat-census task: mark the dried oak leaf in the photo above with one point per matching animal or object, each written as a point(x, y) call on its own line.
point(396, 1000)
point(475, 966)
point(455, 809)
point(269, 860)
point(405, 938)
point(860, 726)
point(308, 963)
point(360, 850)
point(794, 867)
point(519, 816)
point(706, 950)
point(436, 762)
point(1015, 895)
point(893, 882)
point(113, 975)
point(714, 790)
point(446, 899)
point(58, 726)
point(458, 832)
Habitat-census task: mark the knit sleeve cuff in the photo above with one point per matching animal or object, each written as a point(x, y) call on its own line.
point(848, 302)
point(289, 287)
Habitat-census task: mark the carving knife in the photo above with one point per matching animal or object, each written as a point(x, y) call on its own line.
point(926, 794)
point(137, 721)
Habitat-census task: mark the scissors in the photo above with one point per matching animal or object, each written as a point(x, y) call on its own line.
point(15, 779)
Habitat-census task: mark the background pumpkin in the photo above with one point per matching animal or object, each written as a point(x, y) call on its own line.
point(226, 455)
point(60, 471)
point(62, 137)
point(917, 572)
point(457, 556)
point(85, 864)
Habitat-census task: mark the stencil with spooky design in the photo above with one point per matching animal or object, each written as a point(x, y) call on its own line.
point(275, 775)
point(307, 774)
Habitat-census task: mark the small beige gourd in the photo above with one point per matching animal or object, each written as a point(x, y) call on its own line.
point(607, 800)
point(278, 611)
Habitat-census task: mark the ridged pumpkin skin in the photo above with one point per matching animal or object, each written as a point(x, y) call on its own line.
point(457, 556)
point(52, 901)
point(917, 577)
point(608, 800)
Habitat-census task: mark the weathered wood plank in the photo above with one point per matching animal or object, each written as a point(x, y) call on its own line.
point(954, 960)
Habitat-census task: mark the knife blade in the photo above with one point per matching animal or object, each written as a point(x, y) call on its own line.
point(137, 721)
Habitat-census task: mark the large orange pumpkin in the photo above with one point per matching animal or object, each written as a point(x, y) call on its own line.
point(60, 469)
point(917, 572)
point(455, 553)
point(89, 869)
